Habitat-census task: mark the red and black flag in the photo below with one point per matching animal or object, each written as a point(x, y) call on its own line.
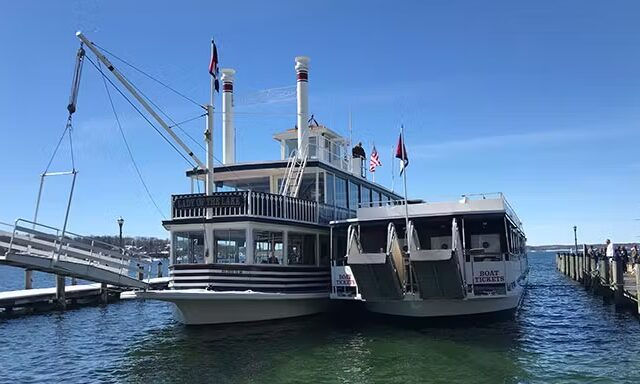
point(213, 66)
point(401, 153)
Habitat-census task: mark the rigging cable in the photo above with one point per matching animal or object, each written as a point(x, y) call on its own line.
point(126, 143)
point(141, 114)
point(150, 77)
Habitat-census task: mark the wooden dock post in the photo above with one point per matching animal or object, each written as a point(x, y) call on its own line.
point(104, 294)
point(586, 276)
point(637, 272)
point(28, 279)
point(605, 280)
point(60, 292)
point(580, 267)
point(618, 282)
point(572, 266)
point(565, 256)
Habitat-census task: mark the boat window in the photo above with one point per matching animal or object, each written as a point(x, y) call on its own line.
point(324, 250)
point(188, 247)
point(230, 245)
point(313, 147)
point(301, 248)
point(341, 192)
point(268, 247)
point(354, 195)
point(290, 146)
point(256, 184)
point(385, 199)
point(339, 244)
point(330, 195)
point(365, 196)
point(307, 189)
point(375, 198)
point(321, 182)
point(486, 235)
point(434, 233)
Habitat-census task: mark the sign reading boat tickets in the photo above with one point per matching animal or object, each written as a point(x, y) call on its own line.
point(219, 201)
point(488, 273)
point(342, 277)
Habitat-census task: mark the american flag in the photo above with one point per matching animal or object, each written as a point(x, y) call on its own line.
point(374, 161)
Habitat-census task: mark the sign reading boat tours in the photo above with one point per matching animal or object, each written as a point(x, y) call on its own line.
point(488, 273)
point(342, 277)
point(215, 201)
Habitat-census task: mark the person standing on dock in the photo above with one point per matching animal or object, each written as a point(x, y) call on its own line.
point(609, 252)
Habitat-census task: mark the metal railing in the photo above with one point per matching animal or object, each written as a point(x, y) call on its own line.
point(28, 237)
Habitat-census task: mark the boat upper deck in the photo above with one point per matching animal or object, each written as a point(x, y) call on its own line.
point(469, 204)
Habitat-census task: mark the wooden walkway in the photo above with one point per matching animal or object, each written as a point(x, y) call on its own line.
point(604, 277)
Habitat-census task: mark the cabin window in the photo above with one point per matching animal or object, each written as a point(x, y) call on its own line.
point(268, 247)
point(307, 189)
point(230, 246)
point(365, 196)
point(290, 146)
point(301, 248)
point(313, 147)
point(321, 182)
point(330, 197)
point(486, 235)
point(324, 250)
point(385, 199)
point(257, 184)
point(188, 247)
point(341, 192)
point(339, 245)
point(354, 195)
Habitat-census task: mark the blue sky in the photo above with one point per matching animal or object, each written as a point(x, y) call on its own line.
point(539, 100)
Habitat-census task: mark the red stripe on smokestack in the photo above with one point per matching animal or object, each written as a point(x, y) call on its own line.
point(303, 76)
point(227, 87)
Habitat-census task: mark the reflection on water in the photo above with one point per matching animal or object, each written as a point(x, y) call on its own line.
point(562, 334)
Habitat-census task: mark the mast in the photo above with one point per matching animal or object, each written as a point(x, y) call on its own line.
point(210, 186)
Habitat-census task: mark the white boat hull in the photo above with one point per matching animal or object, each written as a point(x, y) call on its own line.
point(434, 308)
point(199, 306)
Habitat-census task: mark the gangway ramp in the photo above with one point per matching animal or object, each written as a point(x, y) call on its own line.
point(43, 248)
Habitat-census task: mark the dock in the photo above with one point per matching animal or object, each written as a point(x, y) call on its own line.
point(609, 278)
point(40, 300)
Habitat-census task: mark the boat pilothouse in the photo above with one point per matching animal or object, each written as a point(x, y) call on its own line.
point(463, 257)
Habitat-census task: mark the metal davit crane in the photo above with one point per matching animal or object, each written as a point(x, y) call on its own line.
point(35, 246)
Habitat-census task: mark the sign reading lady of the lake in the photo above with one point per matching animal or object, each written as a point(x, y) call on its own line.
point(488, 273)
point(215, 201)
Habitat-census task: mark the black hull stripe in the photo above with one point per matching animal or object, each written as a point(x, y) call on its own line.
point(265, 290)
point(265, 275)
point(248, 278)
point(254, 284)
point(250, 267)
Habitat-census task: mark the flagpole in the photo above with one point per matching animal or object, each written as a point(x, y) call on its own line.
point(393, 152)
point(212, 80)
point(406, 205)
point(373, 174)
point(210, 185)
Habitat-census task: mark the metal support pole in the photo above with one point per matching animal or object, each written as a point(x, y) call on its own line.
point(637, 271)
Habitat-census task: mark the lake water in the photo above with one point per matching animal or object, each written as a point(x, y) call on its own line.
point(561, 335)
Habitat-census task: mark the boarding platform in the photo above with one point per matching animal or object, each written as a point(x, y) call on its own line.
point(380, 275)
point(34, 246)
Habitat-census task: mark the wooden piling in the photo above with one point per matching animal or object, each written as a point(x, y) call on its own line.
point(60, 292)
point(637, 272)
point(572, 266)
point(104, 294)
point(618, 282)
point(586, 275)
point(580, 267)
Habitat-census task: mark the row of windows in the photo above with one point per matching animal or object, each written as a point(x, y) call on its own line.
point(351, 195)
point(230, 246)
